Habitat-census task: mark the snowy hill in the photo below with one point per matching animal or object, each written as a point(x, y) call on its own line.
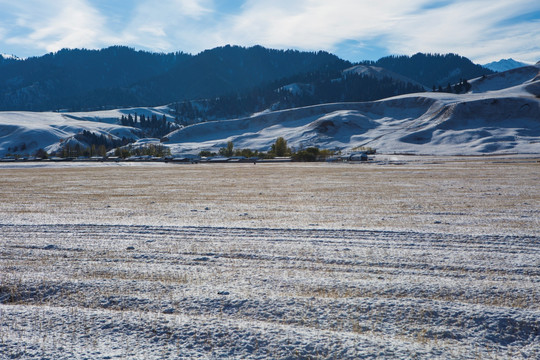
point(525, 75)
point(504, 65)
point(26, 132)
point(502, 114)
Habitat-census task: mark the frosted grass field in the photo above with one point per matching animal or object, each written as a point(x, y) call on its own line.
point(435, 258)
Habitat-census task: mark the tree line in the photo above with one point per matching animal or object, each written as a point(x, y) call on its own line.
point(463, 86)
point(151, 126)
point(278, 149)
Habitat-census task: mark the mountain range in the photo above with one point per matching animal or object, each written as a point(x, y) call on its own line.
point(115, 77)
point(120, 76)
point(310, 99)
point(499, 114)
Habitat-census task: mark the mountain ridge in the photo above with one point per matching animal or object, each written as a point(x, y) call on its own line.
point(433, 70)
point(118, 76)
point(500, 113)
point(122, 77)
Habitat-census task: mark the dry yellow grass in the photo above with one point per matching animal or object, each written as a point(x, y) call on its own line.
point(450, 196)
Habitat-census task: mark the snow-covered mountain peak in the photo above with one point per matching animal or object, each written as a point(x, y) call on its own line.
point(504, 65)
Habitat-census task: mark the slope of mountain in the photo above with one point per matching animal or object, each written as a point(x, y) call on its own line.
point(114, 77)
point(381, 73)
point(27, 132)
point(526, 75)
point(122, 77)
point(433, 69)
point(67, 78)
point(233, 69)
point(504, 65)
point(358, 83)
point(498, 121)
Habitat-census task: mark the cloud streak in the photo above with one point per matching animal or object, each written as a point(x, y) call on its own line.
point(168, 25)
point(483, 30)
point(56, 25)
point(467, 27)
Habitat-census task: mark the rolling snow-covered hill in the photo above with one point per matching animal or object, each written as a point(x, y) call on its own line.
point(24, 132)
point(501, 114)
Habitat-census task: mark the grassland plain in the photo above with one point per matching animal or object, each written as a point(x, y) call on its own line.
point(427, 259)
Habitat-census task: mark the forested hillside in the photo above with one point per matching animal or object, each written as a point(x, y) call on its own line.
point(72, 78)
point(317, 87)
point(433, 70)
point(246, 78)
point(122, 77)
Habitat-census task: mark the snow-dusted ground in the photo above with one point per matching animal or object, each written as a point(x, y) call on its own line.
point(428, 259)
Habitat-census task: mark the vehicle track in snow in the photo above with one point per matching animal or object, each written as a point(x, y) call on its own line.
point(70, 290)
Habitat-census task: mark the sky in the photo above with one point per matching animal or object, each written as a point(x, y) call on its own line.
point(355, 30)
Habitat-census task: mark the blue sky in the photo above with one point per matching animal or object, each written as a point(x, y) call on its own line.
point(482, 30)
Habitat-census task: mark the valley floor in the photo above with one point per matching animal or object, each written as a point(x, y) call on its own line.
point(426, 259)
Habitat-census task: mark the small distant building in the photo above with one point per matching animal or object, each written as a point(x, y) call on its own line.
point(358, 157)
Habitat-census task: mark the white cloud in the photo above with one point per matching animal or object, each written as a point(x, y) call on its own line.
point(60, 24)
point(478, 29)
point(316, 24)
point(471, 28)
point(168, 25)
